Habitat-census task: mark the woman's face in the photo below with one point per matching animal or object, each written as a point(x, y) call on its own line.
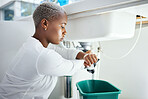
point(56, 29)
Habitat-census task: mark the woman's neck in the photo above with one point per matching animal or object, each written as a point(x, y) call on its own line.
point(39, 37)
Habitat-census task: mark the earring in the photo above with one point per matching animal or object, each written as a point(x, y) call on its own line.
point(45, 29)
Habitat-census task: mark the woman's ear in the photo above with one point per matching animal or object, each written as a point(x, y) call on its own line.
point(44, 24)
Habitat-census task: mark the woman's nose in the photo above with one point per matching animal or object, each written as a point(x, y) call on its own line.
point(64, 32)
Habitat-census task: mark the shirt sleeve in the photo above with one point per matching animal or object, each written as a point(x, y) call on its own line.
point(51, 63)
point(67, 53)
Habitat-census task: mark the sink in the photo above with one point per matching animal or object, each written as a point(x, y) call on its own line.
point(101, 27)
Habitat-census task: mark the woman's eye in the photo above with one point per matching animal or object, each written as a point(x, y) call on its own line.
point(62, 26)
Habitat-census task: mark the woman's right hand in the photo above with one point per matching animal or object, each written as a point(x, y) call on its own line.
point(89, 59)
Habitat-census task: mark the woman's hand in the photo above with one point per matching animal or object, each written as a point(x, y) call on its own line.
point(89, 59)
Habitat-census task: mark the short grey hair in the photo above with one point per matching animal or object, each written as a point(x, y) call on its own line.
point(47, 10)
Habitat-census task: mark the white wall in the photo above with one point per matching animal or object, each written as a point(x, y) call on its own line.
point(12, 35)
point(3, 2)
point(1, 17)
point(129, 74)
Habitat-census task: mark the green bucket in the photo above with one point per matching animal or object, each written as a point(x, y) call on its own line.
point(97, 89)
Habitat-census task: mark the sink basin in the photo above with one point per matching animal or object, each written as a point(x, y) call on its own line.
point(101, 27)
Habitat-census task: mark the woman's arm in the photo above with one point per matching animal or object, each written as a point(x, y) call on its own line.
point(52, 63)
point(72, 54)
point(67, 53)
point(80, 55)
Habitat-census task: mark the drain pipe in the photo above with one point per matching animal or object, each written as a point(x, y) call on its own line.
point(67, 79)
point(68, 87)
point(86, 46)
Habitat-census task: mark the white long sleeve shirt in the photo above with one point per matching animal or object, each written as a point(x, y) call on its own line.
point(33, 72)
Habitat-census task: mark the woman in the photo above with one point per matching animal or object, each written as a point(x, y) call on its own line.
point(34, 71)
